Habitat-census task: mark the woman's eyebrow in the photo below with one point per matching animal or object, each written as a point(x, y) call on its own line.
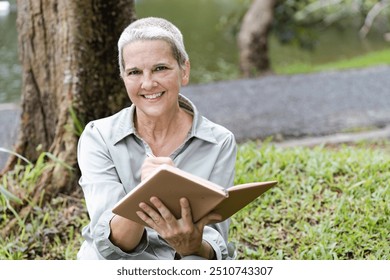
point(161, 64)
point(132, 68)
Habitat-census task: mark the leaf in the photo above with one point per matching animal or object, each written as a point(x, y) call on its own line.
point(15, 154)
point(9, 196)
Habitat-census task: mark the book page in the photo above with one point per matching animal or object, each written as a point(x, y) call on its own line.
point(240, 196)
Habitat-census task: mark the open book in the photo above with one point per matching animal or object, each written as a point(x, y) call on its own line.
point(169, 184)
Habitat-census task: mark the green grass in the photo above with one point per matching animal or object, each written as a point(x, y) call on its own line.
point(371, 59)
point(293, 63)
point(330, 203)
point(50, 231)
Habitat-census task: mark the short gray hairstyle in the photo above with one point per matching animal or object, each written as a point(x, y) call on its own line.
point(152, 28)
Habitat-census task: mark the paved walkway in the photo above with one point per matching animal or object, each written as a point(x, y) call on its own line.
point(298, 106)
point(298, 110)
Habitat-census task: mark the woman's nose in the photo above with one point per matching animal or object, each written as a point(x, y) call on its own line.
point(147, 82)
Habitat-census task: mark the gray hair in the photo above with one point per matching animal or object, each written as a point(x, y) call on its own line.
point(152, 28)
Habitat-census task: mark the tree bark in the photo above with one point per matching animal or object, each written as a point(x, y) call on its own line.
point(253, 38)
point(68, 52)
point(371, 15)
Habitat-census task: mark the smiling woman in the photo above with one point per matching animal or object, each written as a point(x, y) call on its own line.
point(113, 155)
point(153, 78)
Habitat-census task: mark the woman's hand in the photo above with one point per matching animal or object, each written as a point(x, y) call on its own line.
point(151, 163)
point(182, 234)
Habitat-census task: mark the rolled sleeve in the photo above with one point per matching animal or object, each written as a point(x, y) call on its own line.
point(215, 239)
point(107, 249)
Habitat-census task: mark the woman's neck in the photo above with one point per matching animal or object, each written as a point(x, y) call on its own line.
point(166, 133)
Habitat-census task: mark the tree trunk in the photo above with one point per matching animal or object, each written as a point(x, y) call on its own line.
point(253, 38)
point(68, 54)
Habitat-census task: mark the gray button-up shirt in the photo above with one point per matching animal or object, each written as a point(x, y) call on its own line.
point(110, 156)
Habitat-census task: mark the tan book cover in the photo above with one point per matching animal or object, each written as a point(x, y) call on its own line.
point(169, 184)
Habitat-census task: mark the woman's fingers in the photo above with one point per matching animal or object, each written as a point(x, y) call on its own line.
point(163, 218)
point(182, 234)
point(145, 218)
point(155, 218)
point(149, 215)
point(186, 213)
point(164, 211)
point(160, 160)
point(211, 218)
point(151, 163)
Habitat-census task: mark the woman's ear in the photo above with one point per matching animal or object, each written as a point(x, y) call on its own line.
point(186, 73)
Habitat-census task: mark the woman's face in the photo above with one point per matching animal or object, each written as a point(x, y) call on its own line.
point(153, 77)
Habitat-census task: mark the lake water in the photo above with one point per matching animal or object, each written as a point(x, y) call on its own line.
point(213, 52)
point(9, 64)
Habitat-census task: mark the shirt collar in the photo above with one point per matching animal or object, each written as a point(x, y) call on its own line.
point(201, 128)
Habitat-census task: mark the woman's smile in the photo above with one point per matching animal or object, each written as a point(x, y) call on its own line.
point(153, 96)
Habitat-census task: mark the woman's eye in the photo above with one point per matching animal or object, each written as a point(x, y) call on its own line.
point(133, 72)
point(160, 68)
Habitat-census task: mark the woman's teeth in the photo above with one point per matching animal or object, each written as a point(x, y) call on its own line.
point(153, 96)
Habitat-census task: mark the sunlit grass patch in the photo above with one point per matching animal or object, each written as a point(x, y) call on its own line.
point(330, 203)
point(371, 59)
